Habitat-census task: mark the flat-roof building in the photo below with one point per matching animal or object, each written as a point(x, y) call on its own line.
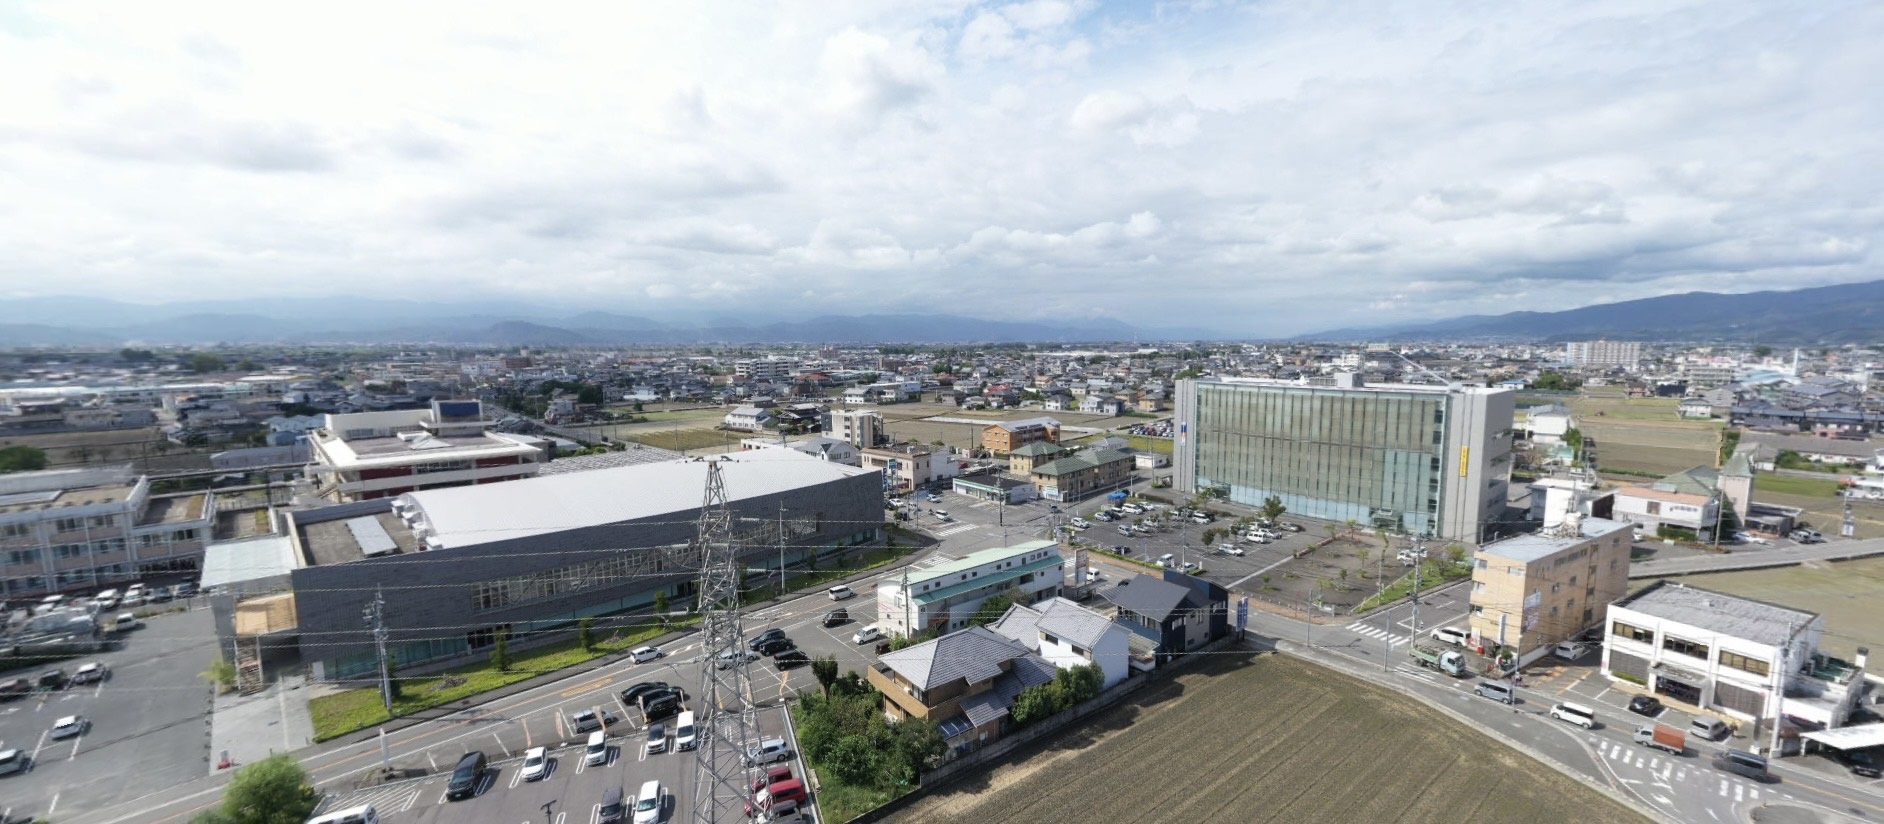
point(370, 455)
point(945, 597)
point(539, 554)
point(71, 529)
point(1432, 460)
point(1530, 592)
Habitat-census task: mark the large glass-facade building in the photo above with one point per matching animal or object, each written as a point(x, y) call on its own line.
point(1428, 460)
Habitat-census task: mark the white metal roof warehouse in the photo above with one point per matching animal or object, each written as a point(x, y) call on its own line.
point(472, 515)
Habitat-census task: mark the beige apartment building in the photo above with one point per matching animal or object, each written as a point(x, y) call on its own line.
point(1532, 591)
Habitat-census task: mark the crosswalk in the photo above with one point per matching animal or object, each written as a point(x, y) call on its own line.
point(934, 561)
point(1666, 770)
point(396, 798)
point(946, 531)
point(1362, 628)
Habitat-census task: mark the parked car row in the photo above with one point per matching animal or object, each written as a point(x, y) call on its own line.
point(472, 777)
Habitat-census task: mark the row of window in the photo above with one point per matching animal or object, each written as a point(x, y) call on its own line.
point(1693, 649)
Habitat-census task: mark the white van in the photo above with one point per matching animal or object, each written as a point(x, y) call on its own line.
point(1167, 560)
point(1577, 714)
point(125, 622)
point(685, 735)
point(1451, 635)
point(596, 753)
point(363, 814)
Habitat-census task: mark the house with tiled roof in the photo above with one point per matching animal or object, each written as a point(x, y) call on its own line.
point(1069, 635)
point(1086, 473)
point(965, 681)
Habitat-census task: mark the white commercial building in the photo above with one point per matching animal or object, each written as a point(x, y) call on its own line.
point(858, 427)
point(1729, 654)
point(944, 598)
point(387, 454)
point(1624, 354)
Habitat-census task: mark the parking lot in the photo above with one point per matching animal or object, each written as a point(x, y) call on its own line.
point(148, 723)
point(571, 791)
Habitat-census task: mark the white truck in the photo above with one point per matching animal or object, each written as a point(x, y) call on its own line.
point(1433, 656)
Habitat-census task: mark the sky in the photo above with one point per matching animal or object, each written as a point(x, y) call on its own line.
point(1261, 169)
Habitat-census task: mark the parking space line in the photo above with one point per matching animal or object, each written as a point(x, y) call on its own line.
point(500, 741)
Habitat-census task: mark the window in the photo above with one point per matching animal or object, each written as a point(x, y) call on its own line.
point(15, 530)
point(66, 552)
point(1554, 587)
point(1685, 647)
point(1744, 663)
point(70, 524)
point(23, 556)
point(1515, 572)
point(102, 521)
point(1633, 633)
point(1478, 586)
point(1047, 638)
point(1654, 507)
point(1482, 563)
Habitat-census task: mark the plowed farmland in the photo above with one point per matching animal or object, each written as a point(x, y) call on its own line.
point(1269, 738)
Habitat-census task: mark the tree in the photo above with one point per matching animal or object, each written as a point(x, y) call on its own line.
point(21, 459)
point(204, 362)
point(824, 668)
point(660, 603)
point(1555, 382)
point(585, 634)
point(1033, 703)
point(274, 790)
point(500, 651)
point(1273, 508)
point(1762, 351)
point(916, 745)
point(992, 609)
point(1210, 536)
point(136, 355)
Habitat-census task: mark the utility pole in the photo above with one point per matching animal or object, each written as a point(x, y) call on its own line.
point(375, 617)
point(1779, 691)
point(781, 549)
point(1419, 562)
point(908, 631)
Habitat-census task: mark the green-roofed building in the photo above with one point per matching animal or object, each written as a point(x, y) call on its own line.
point(1083, 474)
point(1024, 458)
point(946, 597)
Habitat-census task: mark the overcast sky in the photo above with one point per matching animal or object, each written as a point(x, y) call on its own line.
point(1263, 169)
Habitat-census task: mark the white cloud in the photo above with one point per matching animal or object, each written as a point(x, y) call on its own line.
point(874, 157)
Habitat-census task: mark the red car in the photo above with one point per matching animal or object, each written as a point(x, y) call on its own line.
point(773, 775)
point(791, 789)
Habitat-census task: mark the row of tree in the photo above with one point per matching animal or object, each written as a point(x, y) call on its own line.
point(1068, 689)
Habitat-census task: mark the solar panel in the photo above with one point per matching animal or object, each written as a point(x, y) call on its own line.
point(371, 536)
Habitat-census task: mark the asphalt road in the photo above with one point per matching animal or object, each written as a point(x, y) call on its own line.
point(149, 724)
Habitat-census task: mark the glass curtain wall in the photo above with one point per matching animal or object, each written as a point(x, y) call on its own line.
point(1372, 457)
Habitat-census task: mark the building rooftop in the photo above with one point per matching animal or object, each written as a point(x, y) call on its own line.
point(1731, 615)
point(338, 541)
point(1276, 383)
point(1029, 423)
point(470, 515)
point(1528, 548)
point(1037, 449)
point(977, 559)
point(53, 489)
point(1151, 597)
point(232, 562)
point(405, 448)
point(1087, 459)
point(634, 455)
point(1700, 480)
point(974, 655)
point(174, 509)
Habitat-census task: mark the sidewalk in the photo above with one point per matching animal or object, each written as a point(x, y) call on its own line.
point(1758, 558)
point(249, 728)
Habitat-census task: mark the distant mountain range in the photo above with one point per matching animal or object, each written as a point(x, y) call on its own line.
point(68, 321)
point(1848, 313)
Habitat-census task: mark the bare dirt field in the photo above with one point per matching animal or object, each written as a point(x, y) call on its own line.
point(1845, 592)
point(1251, 738)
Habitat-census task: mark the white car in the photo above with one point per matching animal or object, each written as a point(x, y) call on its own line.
point(1231, 550)
point(88, 673)
point(535, 763)
point(1256, 538)
point(642, 655)
point(1080, 523)
point(840, 593)
point(69, 726)
point(648, 803)
point(867, 634)
point(733, 658)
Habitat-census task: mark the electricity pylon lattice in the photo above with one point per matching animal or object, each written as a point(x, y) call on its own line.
point(722, 782)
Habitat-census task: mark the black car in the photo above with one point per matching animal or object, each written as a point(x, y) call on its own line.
point(775, 646)
point(790, 658)
point(660, 705)
point(837, 617)
point(1647, 705)
point(186, 589)
point(52, 679)
point(466, 776)
point(763, 638)
point(1859, 762)
point(632, 695)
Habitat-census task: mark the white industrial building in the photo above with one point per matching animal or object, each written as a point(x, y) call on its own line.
point(372, 455)
point(1733, 655)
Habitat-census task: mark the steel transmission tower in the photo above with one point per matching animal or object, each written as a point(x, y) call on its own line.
point(721, 780)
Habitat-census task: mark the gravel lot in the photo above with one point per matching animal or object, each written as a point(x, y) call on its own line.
point(1264, 738)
